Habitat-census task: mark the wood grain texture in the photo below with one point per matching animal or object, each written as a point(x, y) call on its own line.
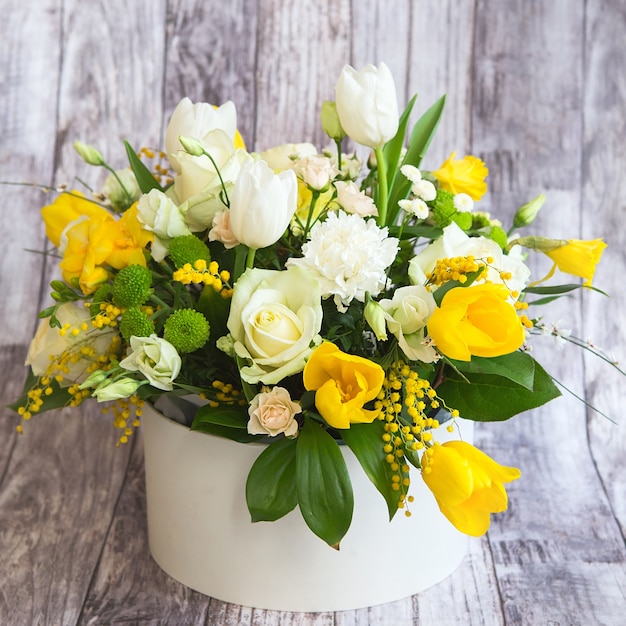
point(533, 88)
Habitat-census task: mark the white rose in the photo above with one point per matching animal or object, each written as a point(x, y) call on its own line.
point(158, 214)
point(315, 171)
point(198, 121)
point(353, 200)
point(284, 156)
point(155, 358)
point(367, 104)
point(51, 342)
point(454, 243)
point(262, 204)
point(274, 319)
point(272, 413)
point(406, 316)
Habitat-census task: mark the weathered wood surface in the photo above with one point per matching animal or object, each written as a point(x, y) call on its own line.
point(535, 88)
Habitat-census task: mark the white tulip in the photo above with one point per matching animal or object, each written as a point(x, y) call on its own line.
point(367, 104)
point(262, 204)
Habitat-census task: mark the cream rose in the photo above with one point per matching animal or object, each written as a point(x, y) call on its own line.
point(272, 413)
point(275, 318)
point(353, 200)
point(52, 342)
point(454, 243)
point(155, 358)
point(284, 156)
point(315, 171)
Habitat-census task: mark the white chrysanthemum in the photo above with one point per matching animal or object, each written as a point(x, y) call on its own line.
point(349, 256)
point(463, 203)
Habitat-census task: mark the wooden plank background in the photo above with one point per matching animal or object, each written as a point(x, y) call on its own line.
point(537, 88)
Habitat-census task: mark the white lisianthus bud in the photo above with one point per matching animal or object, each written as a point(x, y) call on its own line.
point(331, 124)
point(191, 146)
point(94, 379)
point(122, 388)
point(527, 213)
point(262, 204)
point(88, 153)
point(463, 203)
point(375, 316)
point(272, 413)
point(367, 104)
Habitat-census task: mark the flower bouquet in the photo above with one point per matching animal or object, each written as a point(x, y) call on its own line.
point(306, 301)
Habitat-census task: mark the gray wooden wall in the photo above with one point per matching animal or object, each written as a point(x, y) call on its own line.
point(537, 88)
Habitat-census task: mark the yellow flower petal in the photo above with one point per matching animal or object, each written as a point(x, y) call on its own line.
point(466, 175)
point(578, 257)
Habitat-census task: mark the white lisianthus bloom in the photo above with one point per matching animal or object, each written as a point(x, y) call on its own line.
point(349, 256)
point(367, 104)
point(262, 204)
point(272, 413)
point(51, 342)
point(353, 200)
point(283, 157)
point(197, 121)
point(155, 358)
point(415, 207)
point(454, 243)
point(161, 216)
point(315, 171)
point(221, 230)
point(407, 314)
point(463, 203)
point(275, 318)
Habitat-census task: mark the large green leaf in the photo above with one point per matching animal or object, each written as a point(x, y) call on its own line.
point(323, 484)
point(271, 485)
point(145, 179)
point(393, 147)
point(420, 139)
point(518, 367)
point(233, 416)
point(490, 398)
point(366, 441)
point(57, 400)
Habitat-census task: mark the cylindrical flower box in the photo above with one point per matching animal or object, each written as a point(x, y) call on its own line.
point(200, 531)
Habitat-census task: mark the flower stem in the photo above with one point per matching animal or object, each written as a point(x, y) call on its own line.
point(250, 258)
point(338, 144)
point(382, 186)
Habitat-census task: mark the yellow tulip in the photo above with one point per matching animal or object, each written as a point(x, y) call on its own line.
point(467, 484)
point(344, 383)
point(466, 175)
point(65, 209)
point(578, 257)
point(476, 320)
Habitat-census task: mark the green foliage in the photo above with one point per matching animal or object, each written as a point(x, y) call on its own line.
point(225, 420)
point(271, 486)
point(393, 148)
point(144, 176)
point(323, 484)
point(365, 440)
point(487, 393)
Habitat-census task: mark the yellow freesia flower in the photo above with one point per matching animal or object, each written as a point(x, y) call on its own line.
point(476, 320)
point(344, 383)
point(129, 240)
point(466, 175)
point(88, 246)
point(578, 258)
point(65, 209)
point(467, 484)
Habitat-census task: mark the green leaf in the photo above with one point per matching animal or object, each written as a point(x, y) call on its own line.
point(417, 230)
point(420, 139)
point(490, 398)
point(393, 147)
point(554, 289)
point(518, 367)
point(365, 440)
point(271, 485)
point(59, 398)
point(233, 416)
point(323, 484)
point(145, 179)
point(452, 284)
point(235, 434)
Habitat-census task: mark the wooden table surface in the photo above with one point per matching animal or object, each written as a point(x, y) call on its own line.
point(536, 88)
